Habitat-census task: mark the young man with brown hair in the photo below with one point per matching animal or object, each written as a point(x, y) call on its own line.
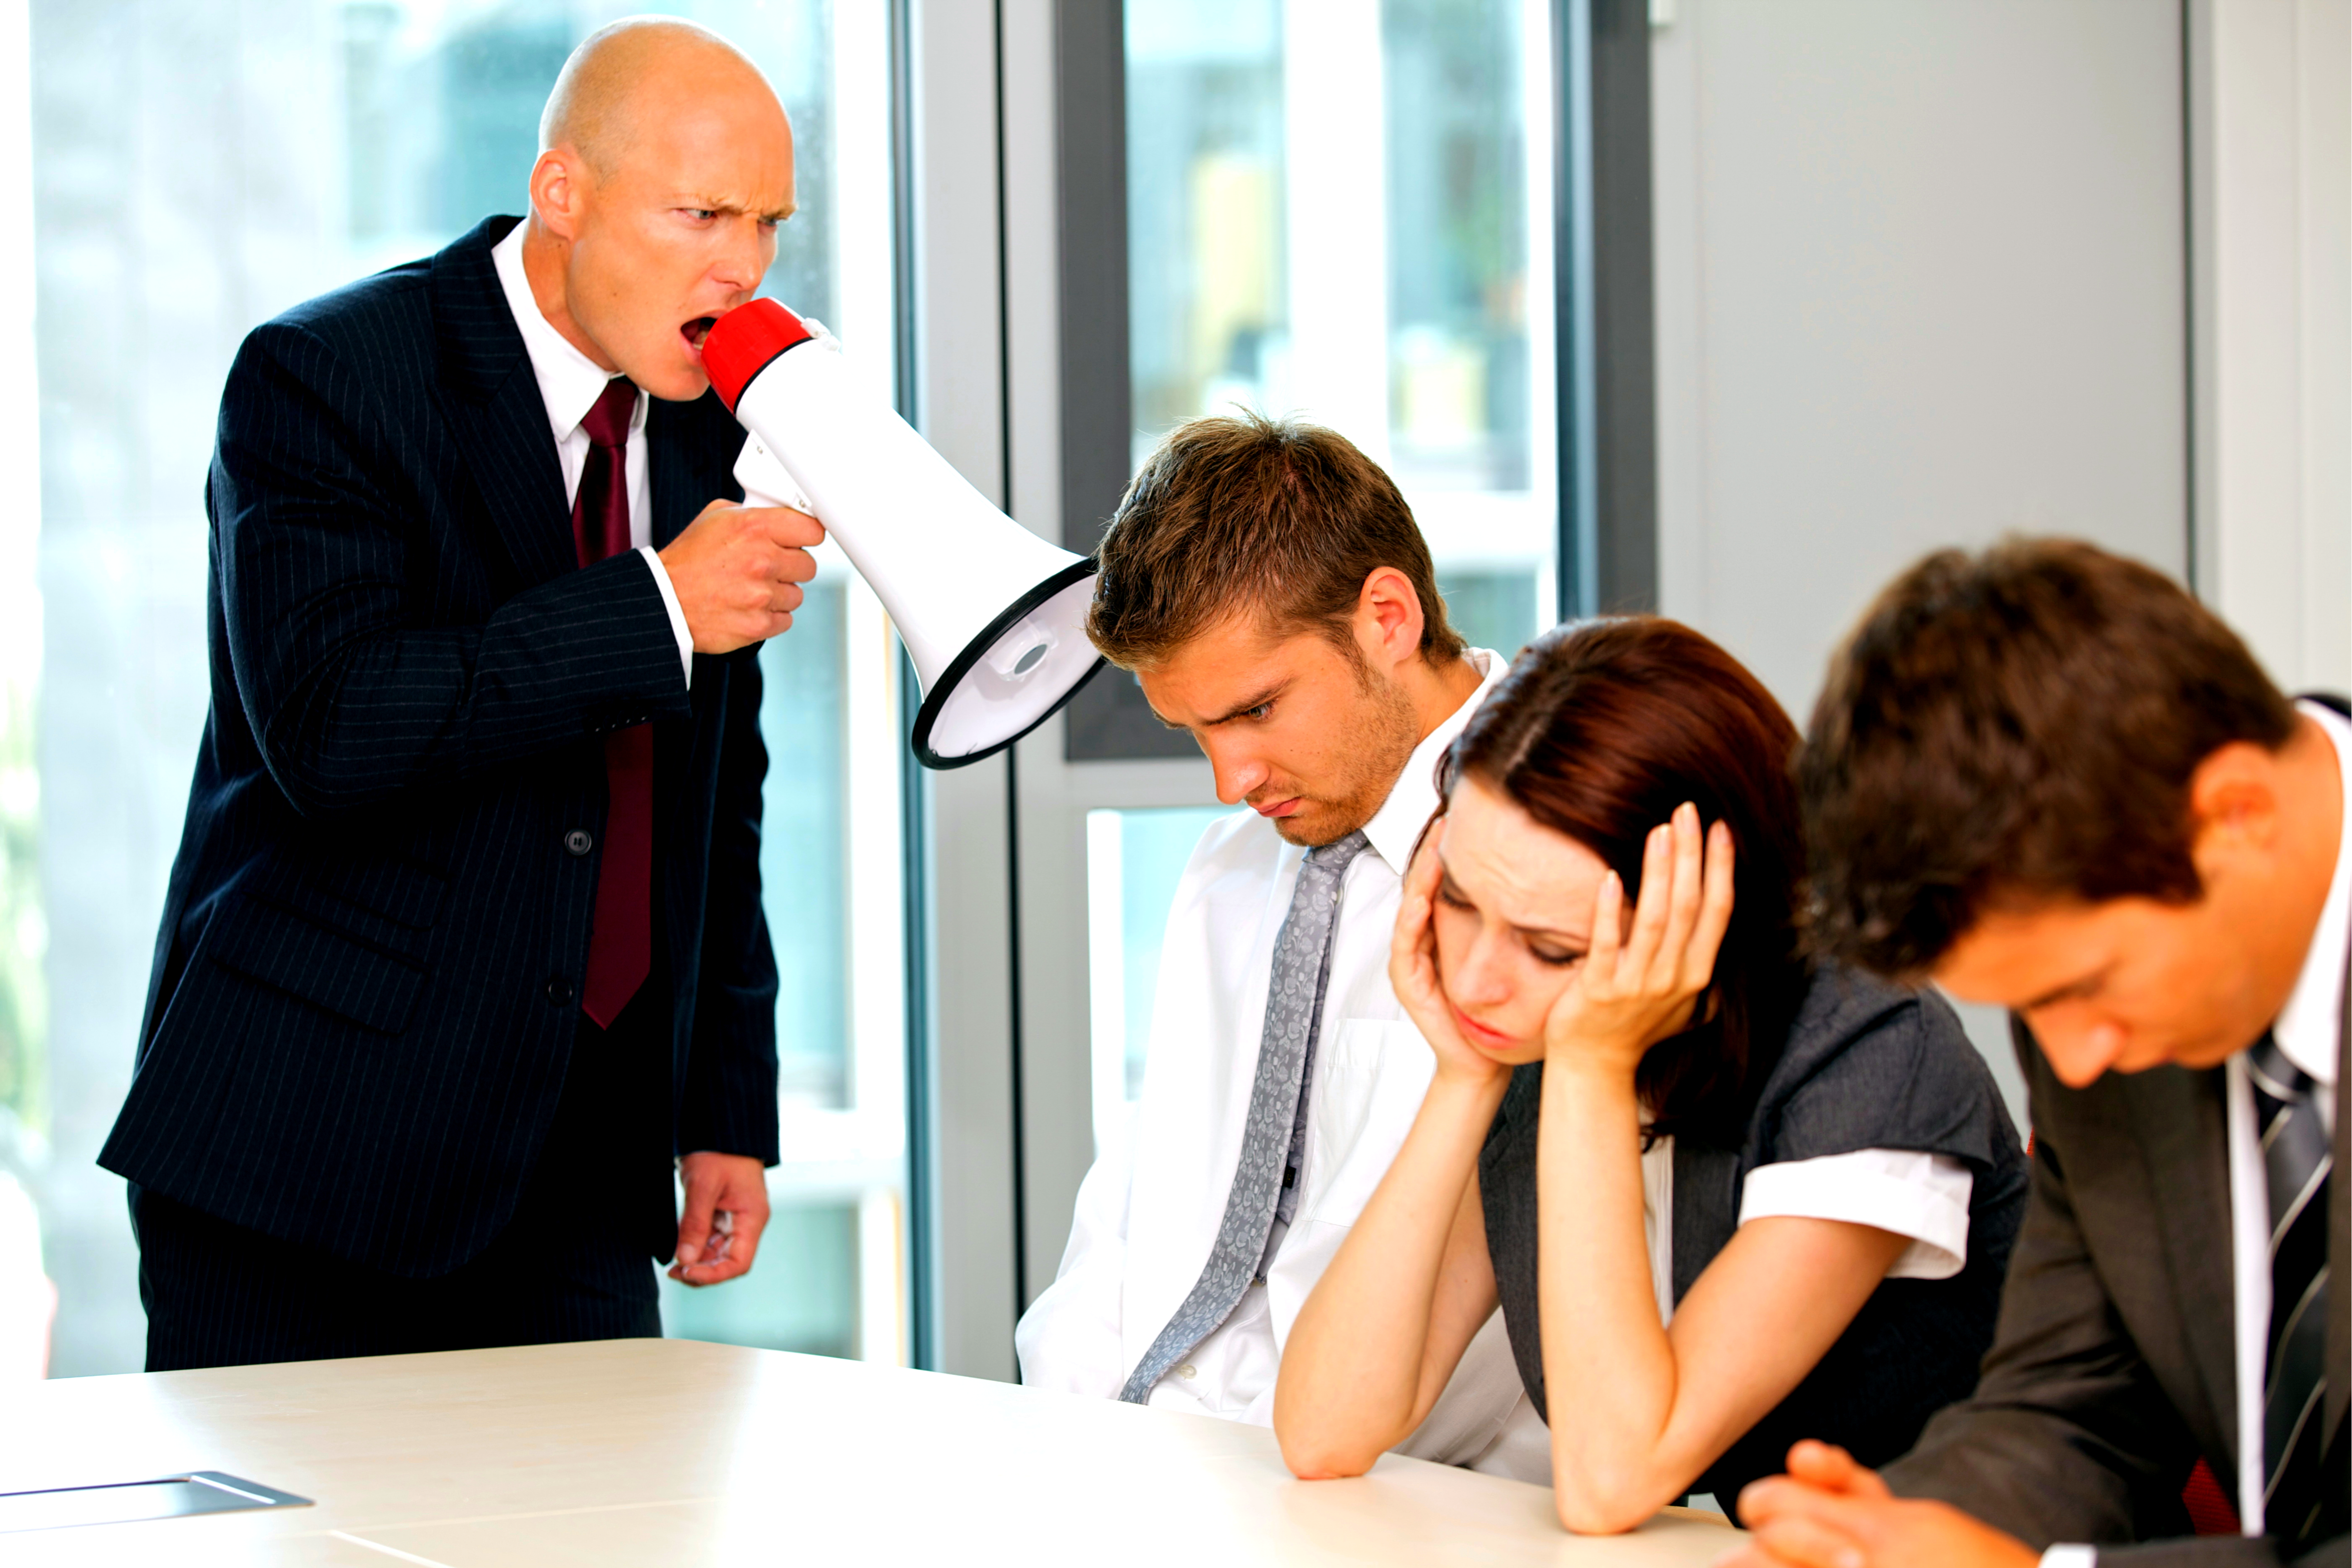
point(1269, 588)
point(2048, 778)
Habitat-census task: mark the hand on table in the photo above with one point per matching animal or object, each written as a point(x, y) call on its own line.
point(726, 1210)
point(1830, 1513)
point(737, 572)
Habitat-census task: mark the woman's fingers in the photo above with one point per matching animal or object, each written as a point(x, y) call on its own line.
point(1715, 907)
point(1601, 959)
point(1649, 933)
point(1682, 906)
point(1411, 958)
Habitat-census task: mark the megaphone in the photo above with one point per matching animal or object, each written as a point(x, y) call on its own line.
point(993, 616)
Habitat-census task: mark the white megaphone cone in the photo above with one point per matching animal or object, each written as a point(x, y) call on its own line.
point(993, 616)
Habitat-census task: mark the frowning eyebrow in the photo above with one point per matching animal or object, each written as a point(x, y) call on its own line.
point(1239, 708)
point(733, 208)
point(1448, 886)
point(1260, 701)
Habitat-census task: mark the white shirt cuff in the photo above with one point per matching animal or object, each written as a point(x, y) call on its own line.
point(1923, 1197)
point(2071, 1557)
point(676, 616)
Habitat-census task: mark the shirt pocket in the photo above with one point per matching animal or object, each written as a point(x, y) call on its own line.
point(1370, 1079)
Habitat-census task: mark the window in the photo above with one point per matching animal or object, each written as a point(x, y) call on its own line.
point(1339, 209)
point(1134, 861)
point(186, 176)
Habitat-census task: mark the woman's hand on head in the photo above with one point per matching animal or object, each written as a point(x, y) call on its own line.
point(1412, 972)
point(1638, 985)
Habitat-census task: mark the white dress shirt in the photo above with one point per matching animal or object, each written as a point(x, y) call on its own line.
point(1149, 1211)
point(1923, 1197)
point(2306, 1033)
point(570, 383)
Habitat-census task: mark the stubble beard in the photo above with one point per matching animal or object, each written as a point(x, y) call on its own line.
point(1390, 732)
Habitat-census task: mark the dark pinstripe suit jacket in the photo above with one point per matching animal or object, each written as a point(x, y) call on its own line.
point(365, 987)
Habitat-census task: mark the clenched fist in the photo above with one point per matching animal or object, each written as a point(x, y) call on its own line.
point(737, 572)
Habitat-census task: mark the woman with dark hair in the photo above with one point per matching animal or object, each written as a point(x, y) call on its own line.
point(1724, 1198)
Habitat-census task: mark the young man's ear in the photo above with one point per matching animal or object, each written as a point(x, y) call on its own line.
point(1388, 617)
point(2233, 800)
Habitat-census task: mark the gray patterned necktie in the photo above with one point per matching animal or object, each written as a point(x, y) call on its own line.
point(2295, 1161)
point(1274, 1136)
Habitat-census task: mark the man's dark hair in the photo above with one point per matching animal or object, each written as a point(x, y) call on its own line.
point(2015, 727)
point(1247, 514)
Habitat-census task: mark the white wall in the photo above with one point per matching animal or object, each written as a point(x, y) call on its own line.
point(1930, 271)
point(1922, 274)
point(1921, 282)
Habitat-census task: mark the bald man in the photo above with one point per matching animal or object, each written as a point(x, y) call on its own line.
point(463, 950)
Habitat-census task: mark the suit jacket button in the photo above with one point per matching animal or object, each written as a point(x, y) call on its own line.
point(578, 841)
point(561, 992)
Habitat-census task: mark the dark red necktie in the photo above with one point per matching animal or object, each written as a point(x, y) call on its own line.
point(621, 940)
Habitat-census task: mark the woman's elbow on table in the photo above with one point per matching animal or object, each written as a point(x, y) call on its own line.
point(1320, 1456)
point(1607, 1500)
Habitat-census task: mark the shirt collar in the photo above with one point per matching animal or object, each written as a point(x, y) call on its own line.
point(1397, 825)
point(569, 381)
point(2305, 1030)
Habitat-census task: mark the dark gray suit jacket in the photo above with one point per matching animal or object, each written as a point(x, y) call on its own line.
point(2114, 1369)
point(1864, 1065)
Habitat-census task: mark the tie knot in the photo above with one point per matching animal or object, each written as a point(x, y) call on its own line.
point(1339, 852)
point(607, 421)
point(2273, 1075)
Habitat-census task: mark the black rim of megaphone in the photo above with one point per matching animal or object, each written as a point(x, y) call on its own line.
point(961, 665)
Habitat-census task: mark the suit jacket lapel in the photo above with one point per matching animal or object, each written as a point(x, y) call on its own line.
point(2339, 1236)
point(679, 487)
point(2182, 1126)
point(501, 420)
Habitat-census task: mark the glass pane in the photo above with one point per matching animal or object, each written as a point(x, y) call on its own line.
point(1402, 297)
point(1458, 404)
point(1204, 159)
point(1134, 861)
point(199, 170)
point(802, 848)
point(802, 1296)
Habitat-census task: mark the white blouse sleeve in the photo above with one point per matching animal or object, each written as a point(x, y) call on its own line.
point(1923, 1197)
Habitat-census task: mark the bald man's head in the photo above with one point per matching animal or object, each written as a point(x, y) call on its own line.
point(666, 164)
point(625, 69)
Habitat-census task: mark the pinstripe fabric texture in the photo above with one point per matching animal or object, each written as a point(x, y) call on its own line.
point(365, 987)
point(217, 1295)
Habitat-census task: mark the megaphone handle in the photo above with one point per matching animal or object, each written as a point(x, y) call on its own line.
point(765, 482)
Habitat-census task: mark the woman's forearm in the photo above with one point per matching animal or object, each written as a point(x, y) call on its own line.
point(1609, 1368)
point(1356, 1374)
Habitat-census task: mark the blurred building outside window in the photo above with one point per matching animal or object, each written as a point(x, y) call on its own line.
point(1339, 209)
point(185, 173)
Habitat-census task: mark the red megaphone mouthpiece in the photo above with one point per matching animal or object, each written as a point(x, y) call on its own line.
point(743, 343)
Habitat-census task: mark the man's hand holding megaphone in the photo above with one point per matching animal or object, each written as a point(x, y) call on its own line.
point(738, 570)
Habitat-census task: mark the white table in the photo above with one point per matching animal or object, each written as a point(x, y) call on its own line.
point(671, 1452)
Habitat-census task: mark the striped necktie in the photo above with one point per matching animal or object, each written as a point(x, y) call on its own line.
point(2295, 1161)
point(1274, 1134)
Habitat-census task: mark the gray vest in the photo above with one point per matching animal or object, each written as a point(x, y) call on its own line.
point(1865, 1066)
